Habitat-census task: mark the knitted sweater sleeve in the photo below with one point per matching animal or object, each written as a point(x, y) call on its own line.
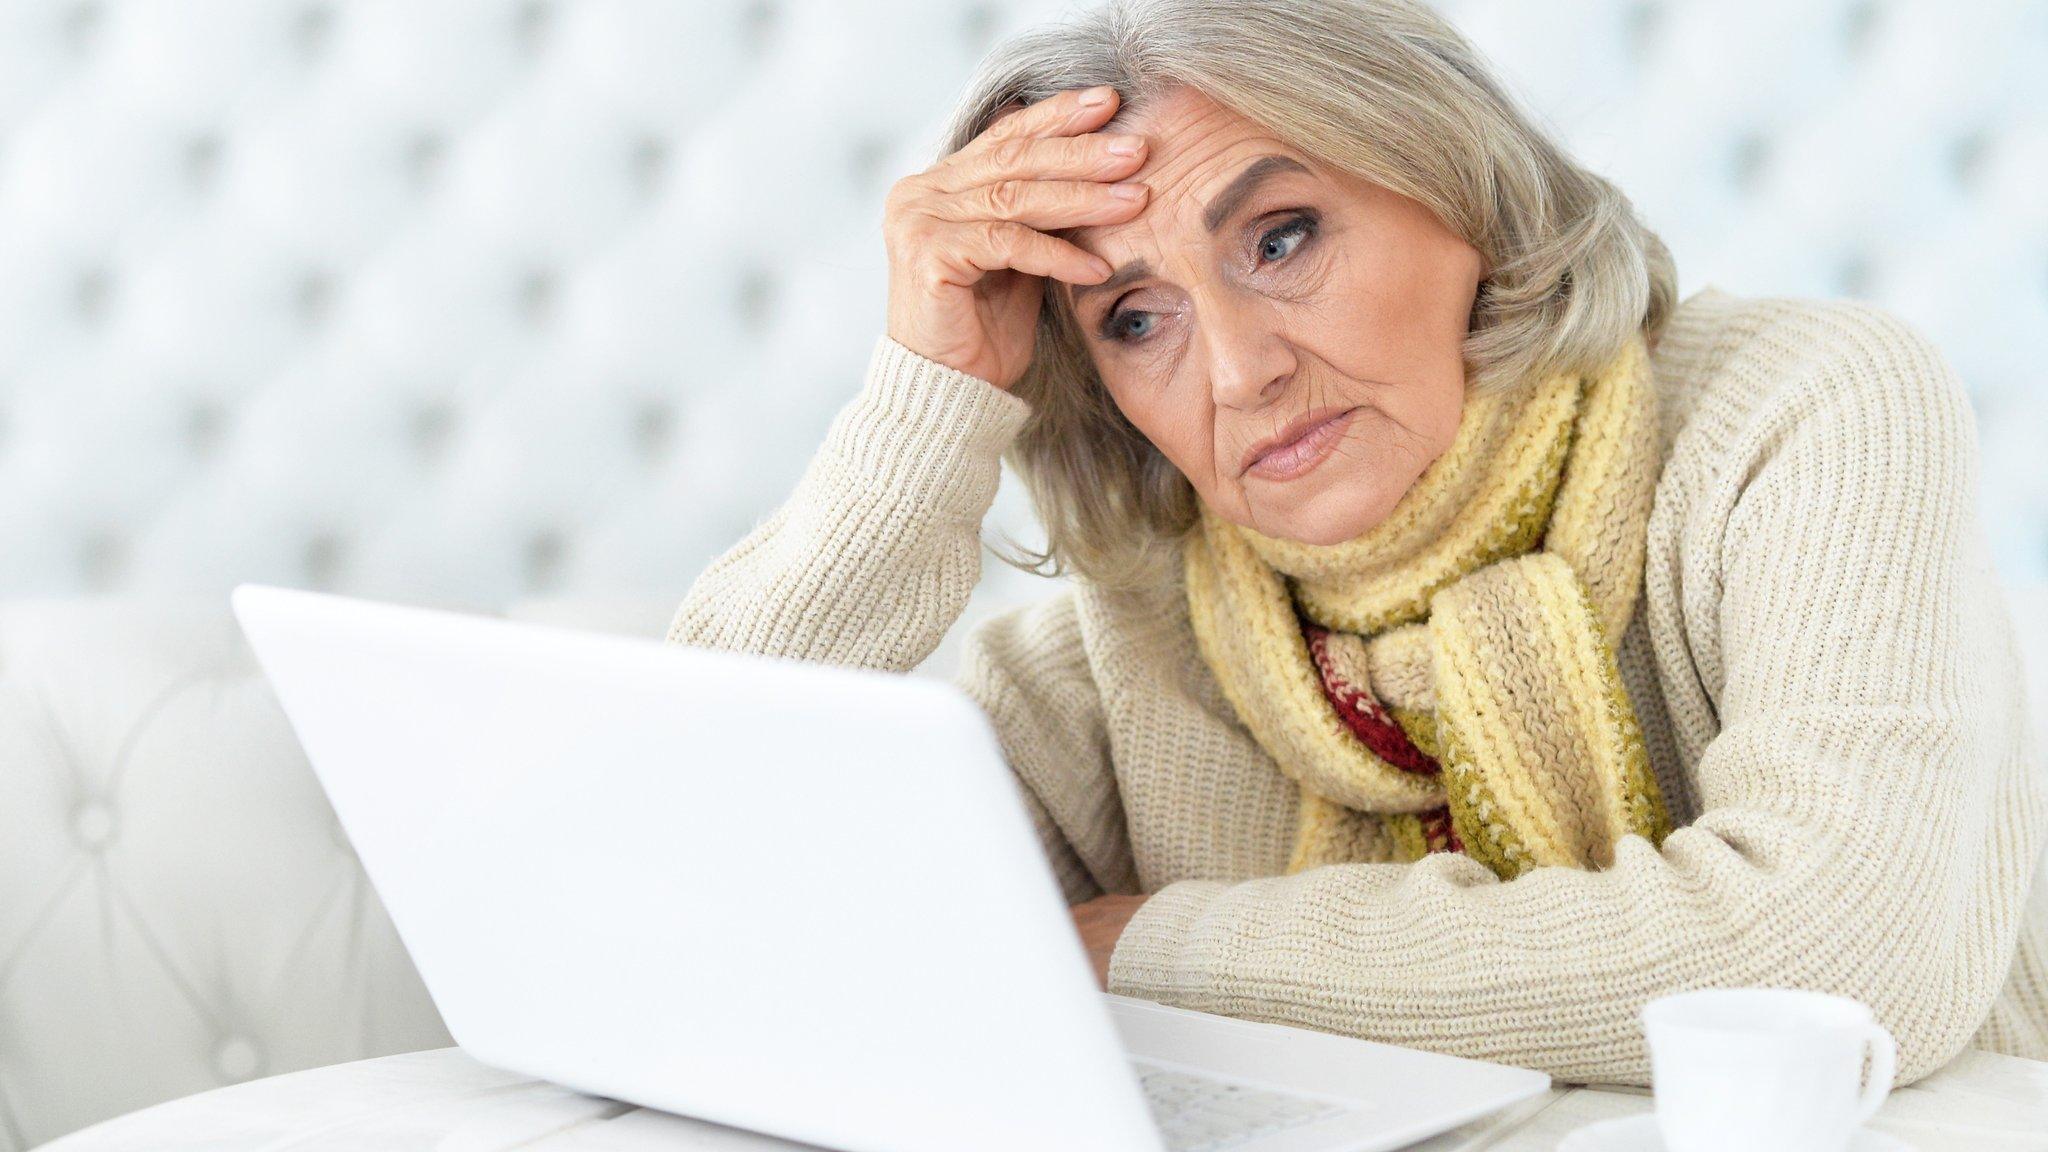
point(1869, 806)
point(1029, 670)
point(871, 560)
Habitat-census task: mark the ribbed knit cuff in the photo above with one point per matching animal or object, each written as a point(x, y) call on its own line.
point(1148, 960)
point(927, 432)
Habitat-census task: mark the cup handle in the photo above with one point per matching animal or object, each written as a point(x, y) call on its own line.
point(1884, 1062)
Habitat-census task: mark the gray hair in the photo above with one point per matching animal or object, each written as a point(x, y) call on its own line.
point(1385, 89)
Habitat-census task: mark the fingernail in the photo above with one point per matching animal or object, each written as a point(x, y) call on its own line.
point(1123, 146)
point(1095, 97)
point(1127, 191)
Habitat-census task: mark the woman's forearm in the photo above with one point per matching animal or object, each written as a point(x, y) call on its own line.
point(871, 559)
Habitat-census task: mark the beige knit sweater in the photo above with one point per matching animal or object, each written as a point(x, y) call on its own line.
point(1822, 663)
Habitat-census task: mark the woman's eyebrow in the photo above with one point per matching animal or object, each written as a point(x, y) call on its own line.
point(1247, 182)
point(1219, 210)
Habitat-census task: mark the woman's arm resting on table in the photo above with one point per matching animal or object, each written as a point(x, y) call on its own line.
point(1868, 818)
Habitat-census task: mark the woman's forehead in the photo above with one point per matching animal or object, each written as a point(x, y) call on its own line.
point(1201, 192)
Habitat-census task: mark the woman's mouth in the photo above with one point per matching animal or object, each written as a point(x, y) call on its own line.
point(1299, 456)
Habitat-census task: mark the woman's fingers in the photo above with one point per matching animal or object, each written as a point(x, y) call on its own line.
point(1052, 138)
point(1023, 170)
point(989, 201)
point(952, 230)
point(1004, 218)
point(989, 245)
point(1062, 114)
point(1092, 156)
point(1043, 203)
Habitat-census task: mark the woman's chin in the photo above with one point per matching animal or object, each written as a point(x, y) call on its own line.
point(1322, 535)
point(1331, 514)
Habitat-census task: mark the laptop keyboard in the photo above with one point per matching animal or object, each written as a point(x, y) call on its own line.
point(1197, 1113)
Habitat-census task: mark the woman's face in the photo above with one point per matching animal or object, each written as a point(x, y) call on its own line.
point(1268, 287)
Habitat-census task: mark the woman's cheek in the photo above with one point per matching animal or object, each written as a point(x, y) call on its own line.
point(1200, 451)
point(1308, 284)
point(1178, 425)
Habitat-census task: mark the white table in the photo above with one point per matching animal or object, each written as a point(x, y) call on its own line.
point(443, 1101)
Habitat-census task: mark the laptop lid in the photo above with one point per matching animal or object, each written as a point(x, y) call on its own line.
point(792, 897)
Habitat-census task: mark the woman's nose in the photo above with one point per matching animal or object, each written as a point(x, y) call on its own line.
point(1248, 360)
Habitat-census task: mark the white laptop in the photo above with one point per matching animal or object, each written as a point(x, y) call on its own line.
point(792, 898)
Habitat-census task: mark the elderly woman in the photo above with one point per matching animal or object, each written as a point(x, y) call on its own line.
point(1468, 639)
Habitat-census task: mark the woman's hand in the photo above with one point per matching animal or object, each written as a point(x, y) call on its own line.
point(1100, 921)
point(966, 260)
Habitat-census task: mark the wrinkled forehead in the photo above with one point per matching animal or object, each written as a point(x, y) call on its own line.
point(1191, 166)
point(1195, 192)
point(1197, 154)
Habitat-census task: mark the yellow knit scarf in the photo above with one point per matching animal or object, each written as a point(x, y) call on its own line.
point(1481, 617)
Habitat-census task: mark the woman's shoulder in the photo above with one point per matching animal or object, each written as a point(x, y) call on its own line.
point(1734, 368)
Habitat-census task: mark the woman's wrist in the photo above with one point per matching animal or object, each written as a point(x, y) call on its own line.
point(931, 433)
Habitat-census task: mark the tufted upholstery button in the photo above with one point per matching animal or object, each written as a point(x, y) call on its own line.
point(1644, 21)
point(1747, 158)
point(756, 292)
point(532, 24)
point(100, 559)
point(92, 823)
point(977, 23)
point(314, 296)
point(236, 1059)
point(1853, 274)
point(312, 31)
point(424, 158)
point(537, 296)
point(757, 26)
point(865, 160)
point(202, 161)
point(649, 163)
point(82, 27)
point(543, 560)
point(204, 422)
point(1966, 157)
point(432, 424)
point(190, 910)
point(1859, 22)
point(91, 294)
point(322, 559)
point(653, 426)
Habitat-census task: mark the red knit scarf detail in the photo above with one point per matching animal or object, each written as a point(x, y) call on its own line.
point(1370, 721)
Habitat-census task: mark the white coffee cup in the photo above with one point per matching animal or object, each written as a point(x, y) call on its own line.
point(1764, 1069)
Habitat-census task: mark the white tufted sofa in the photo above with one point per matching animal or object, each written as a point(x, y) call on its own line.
point(535, 306)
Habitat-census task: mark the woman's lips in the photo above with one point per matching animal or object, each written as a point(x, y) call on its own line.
point(1298, 456)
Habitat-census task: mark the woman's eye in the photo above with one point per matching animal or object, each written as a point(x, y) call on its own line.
point(1275, 245)
point(1113, 328)
point(1282, 241)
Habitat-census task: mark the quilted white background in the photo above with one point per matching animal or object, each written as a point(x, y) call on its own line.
point(536, 306)
point(465, 300)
